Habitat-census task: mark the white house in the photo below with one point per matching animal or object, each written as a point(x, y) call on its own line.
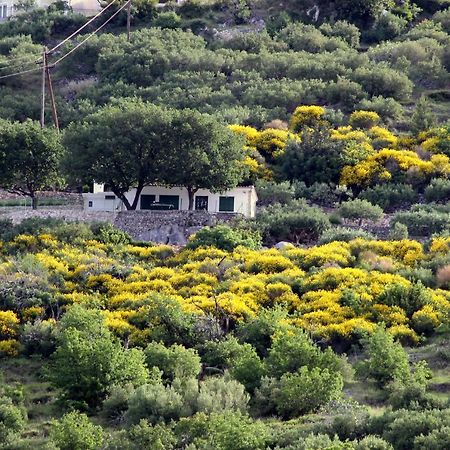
point(240, 200)
point(87, 7)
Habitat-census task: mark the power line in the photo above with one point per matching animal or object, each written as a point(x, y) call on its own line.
point(81, 28)
point(91, 35)
point(19, 73)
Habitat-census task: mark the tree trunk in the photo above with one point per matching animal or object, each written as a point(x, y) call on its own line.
point(137, 196)
point(34, 201)
point(191, 193)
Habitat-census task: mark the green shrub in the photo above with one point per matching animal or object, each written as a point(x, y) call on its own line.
point(219, 394)
point(387, 108)
point(155, 402)
point(169, 19)
point(360, 210)
point(241, 360)
point(398, 232)
point(322, 194)
point(373, 443)
point(74, 431)
point(296, 222)
point(112, 235)
point(438, 190)
point(225, 238)
point(422, 221)
point(388, 26)
point(305, 391)
point(385, 361)
point(12, 420)
point(175, 361)
point(344, 234)
point(270, 192)
point(390, 197)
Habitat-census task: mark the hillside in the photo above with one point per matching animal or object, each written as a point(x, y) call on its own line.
point(320, 323)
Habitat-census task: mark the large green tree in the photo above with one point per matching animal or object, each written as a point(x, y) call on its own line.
point(29, 158)
point(121, 146)
point(133, 144)
point(202, 153)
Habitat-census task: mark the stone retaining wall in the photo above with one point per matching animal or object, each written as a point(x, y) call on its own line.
point(166, 227)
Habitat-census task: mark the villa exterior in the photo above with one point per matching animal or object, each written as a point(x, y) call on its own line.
point(240, 200)
point(86, 7)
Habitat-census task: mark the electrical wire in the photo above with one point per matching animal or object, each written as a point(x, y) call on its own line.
point(20, 73)
point(91, 35)
point(81, 28)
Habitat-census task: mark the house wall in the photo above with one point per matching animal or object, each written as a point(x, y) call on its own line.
point(244, 199)
point(87, 7)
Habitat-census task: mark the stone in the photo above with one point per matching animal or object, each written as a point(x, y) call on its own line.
point(283, 245)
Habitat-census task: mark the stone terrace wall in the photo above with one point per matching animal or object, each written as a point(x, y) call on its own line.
point(166, 227)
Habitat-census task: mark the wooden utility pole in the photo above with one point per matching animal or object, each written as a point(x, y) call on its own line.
point(50, 90)
point(128, 20)
point(44, 60)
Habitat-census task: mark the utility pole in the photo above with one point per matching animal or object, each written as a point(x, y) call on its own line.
point(128, 20)
point(50, 90)
point(44, 61)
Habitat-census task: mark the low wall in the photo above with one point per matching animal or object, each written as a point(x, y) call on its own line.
point(166, 227)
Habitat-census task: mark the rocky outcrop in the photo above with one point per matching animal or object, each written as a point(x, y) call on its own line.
point(166, 227)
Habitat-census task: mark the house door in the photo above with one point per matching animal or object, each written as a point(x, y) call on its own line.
point(170, 202)
point(201, 203)
point(147, 201)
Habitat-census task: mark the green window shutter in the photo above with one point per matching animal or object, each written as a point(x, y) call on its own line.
point(226, 204)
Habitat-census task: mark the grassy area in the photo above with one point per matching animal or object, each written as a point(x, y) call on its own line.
point(39, 397)
point(26, 202)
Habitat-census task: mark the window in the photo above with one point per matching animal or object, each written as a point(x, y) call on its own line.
point(226, 204)
point(110, 197)
point(3, 11)
point(201, 203)
point(147, 201)
point(90, 204)
point(169, 201)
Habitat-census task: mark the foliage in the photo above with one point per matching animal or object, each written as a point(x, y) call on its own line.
point(296, 222)
point(29, 157)
point(360, 210)
point(389, 196)
point(225, 238)
point(386, 360)
point(75, 431)
point(89, 360)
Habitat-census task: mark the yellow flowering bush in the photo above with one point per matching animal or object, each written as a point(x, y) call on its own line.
point(9, 324)
point(306, 116)
point(9, 347)
point(364, 119)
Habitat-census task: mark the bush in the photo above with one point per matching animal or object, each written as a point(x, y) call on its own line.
point(270, 192)
point(344, 235)
point(39, 337)
point(74, 431)
point(388, 26)
point(398, 232)
point(219, 394)
point(364, 119)
point(12, 420)
point(224, 238)
point(241, 360)
point(112, 235)
point(169, 19)
point(423, 221)
point(322, 194)
point(387, 108)
point(390, 196)
point(297, 223)
point(155, 402)
point(386, 360)
point(360, 210)
point(175, 361)
point(306, 116)
point(305, 391)
point(373, 443)
point(438, 190)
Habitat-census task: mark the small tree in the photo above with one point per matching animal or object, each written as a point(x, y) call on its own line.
point(74, 431)
point(29, 158)
point(89, 360)
point(386, 360)
point(423, 117)
point(360, 210)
